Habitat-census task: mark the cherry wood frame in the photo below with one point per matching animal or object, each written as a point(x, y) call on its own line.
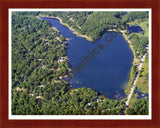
point(6, 4)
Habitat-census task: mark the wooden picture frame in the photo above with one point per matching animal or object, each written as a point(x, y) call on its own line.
point(4, 39)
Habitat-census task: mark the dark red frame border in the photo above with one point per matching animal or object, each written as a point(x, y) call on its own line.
point(6, 4)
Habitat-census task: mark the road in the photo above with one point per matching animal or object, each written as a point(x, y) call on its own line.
point(134, 83)
point(136, 78)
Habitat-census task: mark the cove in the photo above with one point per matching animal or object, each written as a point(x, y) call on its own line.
point(108, 72)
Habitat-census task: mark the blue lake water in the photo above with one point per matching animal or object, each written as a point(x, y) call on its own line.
point(108, 71)
point(135, 29)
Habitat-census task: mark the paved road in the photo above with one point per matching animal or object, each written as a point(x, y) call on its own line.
point(136, 78)
point(134, 83)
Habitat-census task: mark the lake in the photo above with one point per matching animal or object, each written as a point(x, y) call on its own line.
point(108, 71)
point(135, 29)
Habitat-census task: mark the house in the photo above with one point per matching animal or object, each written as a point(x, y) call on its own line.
point(41, 86)
point(62, 59)
point(40, 60)
point(43, 67)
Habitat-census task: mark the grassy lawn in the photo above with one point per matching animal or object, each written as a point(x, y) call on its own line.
point(145, 26)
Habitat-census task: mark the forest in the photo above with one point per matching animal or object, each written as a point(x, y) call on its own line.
point(91, 24)
point(139, 43)
point(140, 107)
point(38, 87)
point(37, 84)
point(131, 16)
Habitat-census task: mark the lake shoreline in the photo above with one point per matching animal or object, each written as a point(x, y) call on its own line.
point(74, 32)
point(134, 57)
